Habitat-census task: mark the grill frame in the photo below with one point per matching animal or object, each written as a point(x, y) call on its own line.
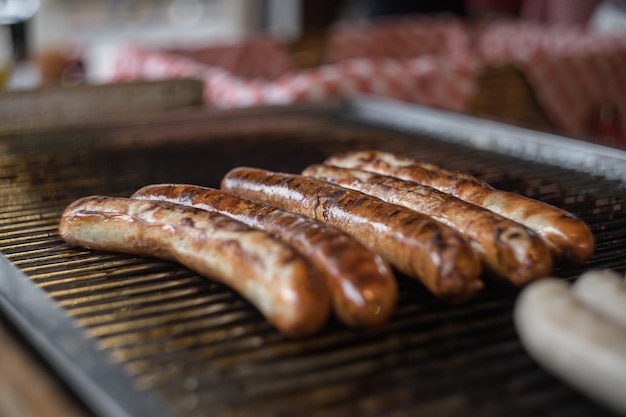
point(108, 390)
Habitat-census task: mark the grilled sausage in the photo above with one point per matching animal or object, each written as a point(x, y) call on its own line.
point(576, 343)
point(569, 238)
point(268, 273)
point(507, 248)
point(415, 244)
point(362, 285)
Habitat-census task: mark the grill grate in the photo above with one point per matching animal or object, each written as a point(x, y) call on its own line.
point(207, 352)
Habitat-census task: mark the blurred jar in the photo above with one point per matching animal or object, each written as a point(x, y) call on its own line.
point(13, 11)
point(53, 35)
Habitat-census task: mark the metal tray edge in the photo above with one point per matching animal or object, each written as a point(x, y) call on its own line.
point(493, 136)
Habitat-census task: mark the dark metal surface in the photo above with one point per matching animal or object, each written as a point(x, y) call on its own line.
point(205, 351)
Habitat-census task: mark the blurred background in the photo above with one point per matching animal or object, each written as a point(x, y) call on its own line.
point(55, 34)
point(514, 61)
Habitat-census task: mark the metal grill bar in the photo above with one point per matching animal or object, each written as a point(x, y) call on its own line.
point(205, 351)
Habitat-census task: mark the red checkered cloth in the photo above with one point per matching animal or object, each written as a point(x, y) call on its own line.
point(256, 78)
point(259, 57)
point(399, 37)
point(574, 73)
point(578, 77)
point(558, 12)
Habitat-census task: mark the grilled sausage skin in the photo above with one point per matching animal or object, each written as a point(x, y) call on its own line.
point(413, 243)
point(271, 275)
point(568, 237)
point(361, 283)
point(508, 249)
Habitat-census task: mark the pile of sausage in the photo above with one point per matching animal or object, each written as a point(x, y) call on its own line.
point(299, 247)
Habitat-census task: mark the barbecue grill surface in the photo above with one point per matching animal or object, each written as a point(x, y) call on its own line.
point(206, 352)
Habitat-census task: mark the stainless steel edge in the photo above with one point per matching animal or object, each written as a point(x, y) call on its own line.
point(60, 340)
point(493, 136)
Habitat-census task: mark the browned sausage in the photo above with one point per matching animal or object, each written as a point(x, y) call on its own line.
point(362, 285)
point(508, 249)
point(412, 242)
point(568, 237)
point(268, 273)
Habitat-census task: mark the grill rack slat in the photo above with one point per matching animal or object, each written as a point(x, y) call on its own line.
point(207, 352)
point(125, 304)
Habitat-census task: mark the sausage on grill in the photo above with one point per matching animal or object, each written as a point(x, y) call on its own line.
point(507, 248)
point(578, 344)
point(361, 283)
point(412, 242)
point(268, 273)
point(568, 237)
